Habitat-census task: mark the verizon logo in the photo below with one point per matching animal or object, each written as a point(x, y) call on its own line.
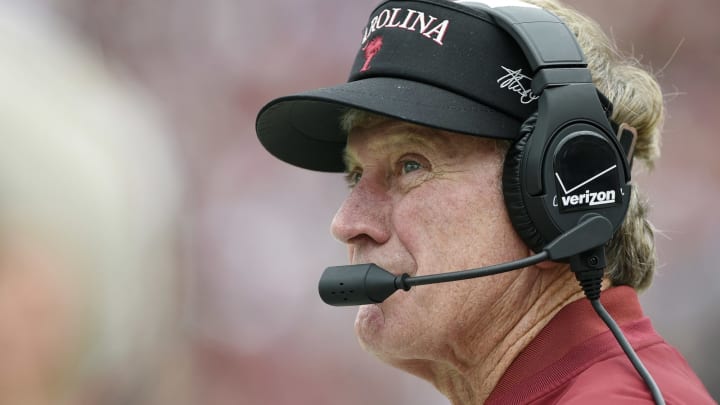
point(588, 198)
point(594, 198)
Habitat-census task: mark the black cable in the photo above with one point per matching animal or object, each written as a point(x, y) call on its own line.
point(629, 351)
point(408, 282)
point(589, 270)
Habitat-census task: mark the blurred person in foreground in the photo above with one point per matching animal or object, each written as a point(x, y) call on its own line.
point(441, 133)
point(89, 197)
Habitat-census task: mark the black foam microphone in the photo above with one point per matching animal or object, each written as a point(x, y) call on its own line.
point(368, 283)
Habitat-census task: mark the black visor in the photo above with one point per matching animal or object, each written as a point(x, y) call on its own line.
point(429, 62)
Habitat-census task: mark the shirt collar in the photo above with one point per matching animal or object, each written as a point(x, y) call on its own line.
point(573, 325)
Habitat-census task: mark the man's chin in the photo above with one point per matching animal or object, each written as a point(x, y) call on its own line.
point(369, 324)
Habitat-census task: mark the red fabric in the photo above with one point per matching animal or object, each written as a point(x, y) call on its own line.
point(576, 360)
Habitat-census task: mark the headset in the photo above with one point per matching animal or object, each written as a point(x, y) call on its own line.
point(568, 161)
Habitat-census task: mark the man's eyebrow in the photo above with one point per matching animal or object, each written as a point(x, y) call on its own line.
point(417, 136)
point(405, 135)
point(349, 159)
point(414, 135)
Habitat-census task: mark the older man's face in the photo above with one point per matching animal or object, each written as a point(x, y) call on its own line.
point(424, 201)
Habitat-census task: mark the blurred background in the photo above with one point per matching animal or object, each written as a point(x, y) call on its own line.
point(250, 327)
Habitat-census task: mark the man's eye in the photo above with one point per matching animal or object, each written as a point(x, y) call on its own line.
point(353, 178)
point(410, 166)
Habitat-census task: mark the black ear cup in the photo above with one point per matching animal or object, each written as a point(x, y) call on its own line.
point(566, 163)
point(512, 191)
point(552, 178)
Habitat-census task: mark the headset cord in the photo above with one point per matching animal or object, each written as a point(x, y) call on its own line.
point(627, 348)
point(589, 269)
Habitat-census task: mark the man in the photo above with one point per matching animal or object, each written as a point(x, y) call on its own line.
point(427, 131)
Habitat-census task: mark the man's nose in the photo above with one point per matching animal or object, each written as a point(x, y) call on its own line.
point(365, 214)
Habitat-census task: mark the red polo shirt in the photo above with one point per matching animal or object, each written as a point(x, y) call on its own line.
point(576, 360)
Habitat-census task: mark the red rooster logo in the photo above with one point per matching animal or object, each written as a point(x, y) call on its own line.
point(371, 49)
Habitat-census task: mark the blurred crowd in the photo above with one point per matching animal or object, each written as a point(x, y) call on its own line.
point(184, 269)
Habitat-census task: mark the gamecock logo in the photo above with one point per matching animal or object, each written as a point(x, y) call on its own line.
point(371, 49)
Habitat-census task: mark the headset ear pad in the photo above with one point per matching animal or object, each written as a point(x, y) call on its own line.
point(512, 174)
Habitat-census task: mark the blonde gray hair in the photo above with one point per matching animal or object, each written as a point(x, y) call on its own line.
point(638, 101)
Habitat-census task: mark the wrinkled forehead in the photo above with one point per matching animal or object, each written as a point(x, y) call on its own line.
point(377, 136)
